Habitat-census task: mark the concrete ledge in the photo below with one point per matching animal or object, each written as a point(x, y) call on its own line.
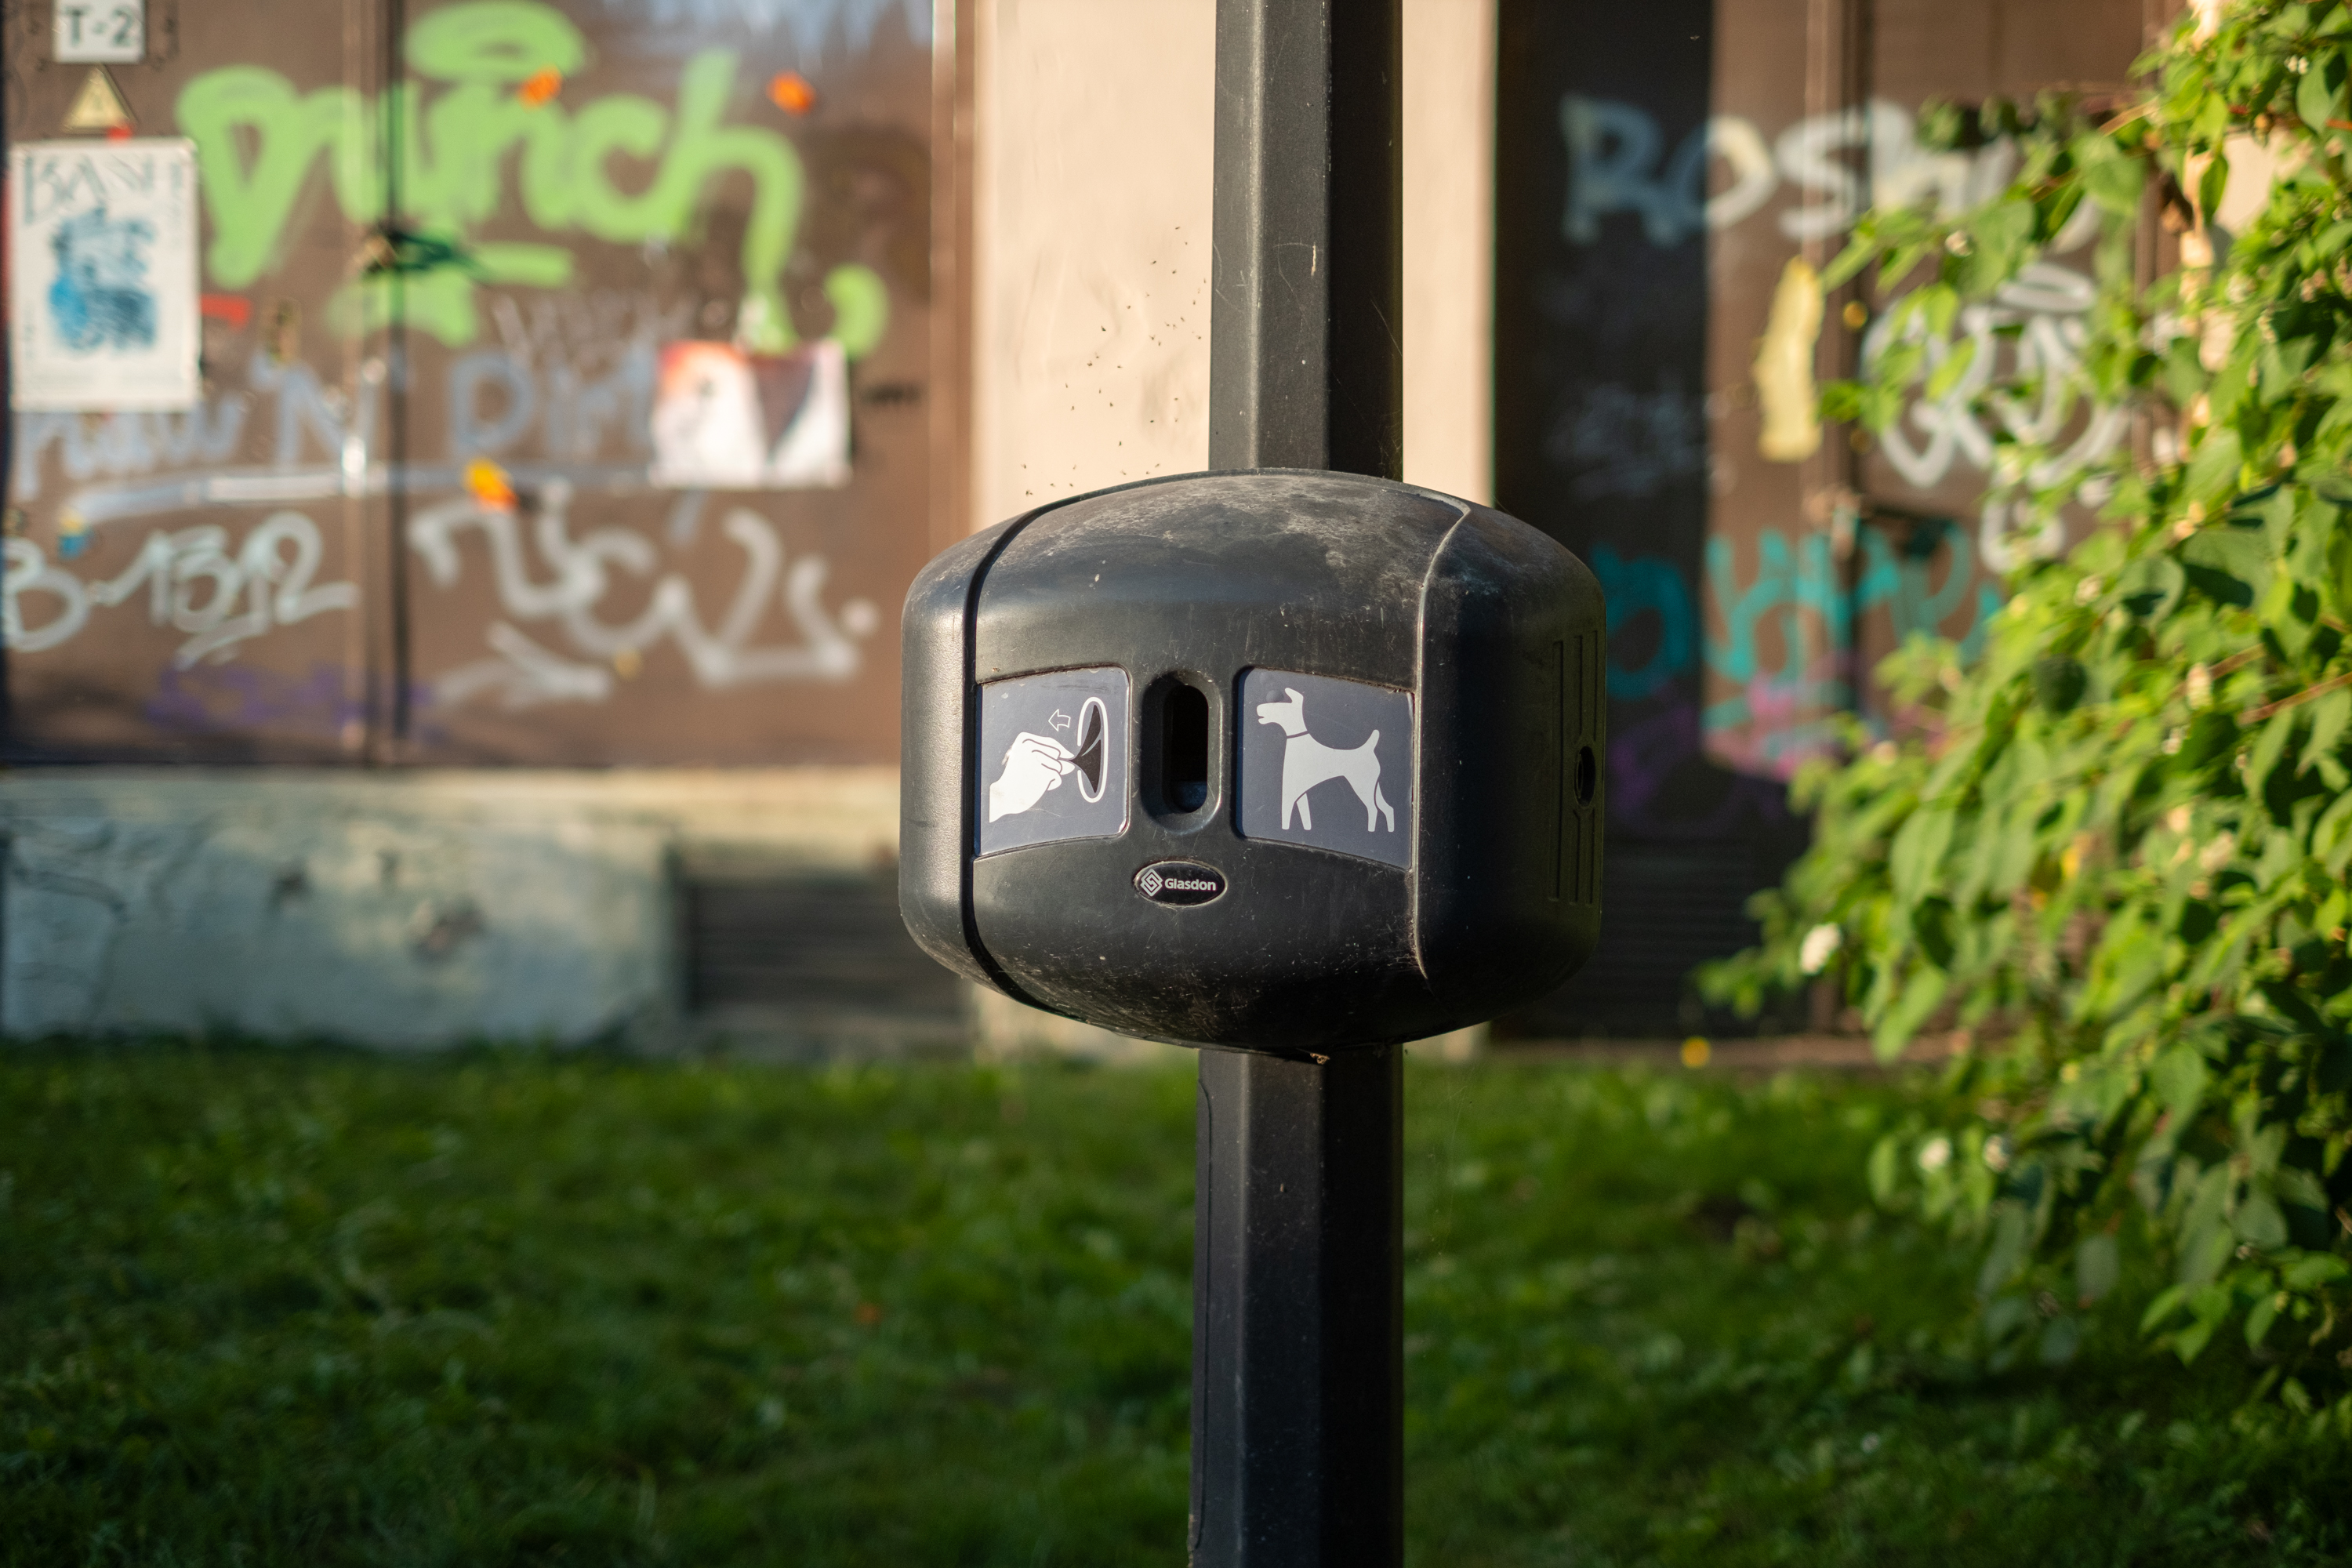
point(402, 910)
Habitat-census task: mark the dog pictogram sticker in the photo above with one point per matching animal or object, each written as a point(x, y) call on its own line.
point(1325, 762)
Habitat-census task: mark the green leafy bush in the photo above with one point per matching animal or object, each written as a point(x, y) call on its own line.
point(2116, 850)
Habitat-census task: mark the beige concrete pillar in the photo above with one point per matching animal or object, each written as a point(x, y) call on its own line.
point(1092, 168)
point(1092, 163)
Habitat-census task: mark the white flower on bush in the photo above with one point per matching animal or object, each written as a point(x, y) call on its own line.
point(1996, 1151)
point(1936, 1153)
point(1820, 945)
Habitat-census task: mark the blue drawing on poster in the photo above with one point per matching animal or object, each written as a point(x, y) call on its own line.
point(100, 299)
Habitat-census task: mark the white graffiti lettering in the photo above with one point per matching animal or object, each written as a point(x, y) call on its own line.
point(26, 570)
point(1618, 163)
point(278, 590)
point(125, 442)
point(2031, 331)
point(580, 571)
point(194, 582)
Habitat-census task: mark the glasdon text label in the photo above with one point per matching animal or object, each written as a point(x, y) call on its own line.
point(1179, 882)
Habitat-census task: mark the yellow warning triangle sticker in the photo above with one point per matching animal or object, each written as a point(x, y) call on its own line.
point(97, 106)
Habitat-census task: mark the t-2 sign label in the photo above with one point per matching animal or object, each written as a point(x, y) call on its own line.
point(100, 32)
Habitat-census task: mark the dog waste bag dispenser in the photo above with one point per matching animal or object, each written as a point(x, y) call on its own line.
point(1291, 761)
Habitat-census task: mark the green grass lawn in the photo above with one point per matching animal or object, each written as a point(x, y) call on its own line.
point(308, 1307)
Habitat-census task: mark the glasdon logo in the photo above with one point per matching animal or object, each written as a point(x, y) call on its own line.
point(1179, 882)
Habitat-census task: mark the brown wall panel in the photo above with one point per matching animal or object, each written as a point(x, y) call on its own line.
point(195, 583)
point(574, 187)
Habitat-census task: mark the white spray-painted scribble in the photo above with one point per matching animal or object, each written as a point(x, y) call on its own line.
point(1618, 163)
point(194, 582)
point(27, 571)
point(580, 571)
point(575, 378)
point(2031, 331)
point(126, 442)
point(524, 675)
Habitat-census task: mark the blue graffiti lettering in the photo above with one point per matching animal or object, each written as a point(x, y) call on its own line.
point(1646, 584)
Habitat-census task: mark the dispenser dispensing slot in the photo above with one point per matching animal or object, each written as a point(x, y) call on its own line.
point(1184, 748)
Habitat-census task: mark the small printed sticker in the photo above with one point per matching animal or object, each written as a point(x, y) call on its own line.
point(1326, 762)
point(1179, 882)
point(1052, 763)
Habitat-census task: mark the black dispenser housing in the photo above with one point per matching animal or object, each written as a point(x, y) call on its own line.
point(1292, 761)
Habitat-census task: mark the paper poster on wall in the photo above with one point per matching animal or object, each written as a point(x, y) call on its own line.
point(727, 419)
point(102, 298)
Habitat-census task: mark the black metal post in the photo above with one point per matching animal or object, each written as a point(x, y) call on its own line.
point(1298, 1313)
point(1297, 1265)
point(1306, 331)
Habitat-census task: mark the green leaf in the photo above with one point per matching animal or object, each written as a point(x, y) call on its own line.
point(1850, 260)
point(2212, 183)
point(1938, 304)
point(2151, 585)
point(2260, 1223)
point(2097, 1265)
point(2113, 178)
point(2297, 1185)
point(1918, 851)
point(1886, 1167)
point(2213, 471)
point(2169, 1300)
point(2228, 565)
point(2205, 1239)
point(2178, 1078)
point(2330, 716)
point(1920, 996)
point(2185, 375)
point(2319, 97)
point(2011, 1235)
point(2259, 1321)
point(2211, 736)
point(1947, 375)
point(2000, 234)
point(2059, 684)
point(2314, 1269)
point(2269, 747)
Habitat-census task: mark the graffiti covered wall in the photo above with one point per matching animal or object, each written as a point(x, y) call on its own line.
point(416, 511)
point(1671, 179)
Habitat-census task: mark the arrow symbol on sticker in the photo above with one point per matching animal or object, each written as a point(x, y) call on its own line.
point(1060, 721)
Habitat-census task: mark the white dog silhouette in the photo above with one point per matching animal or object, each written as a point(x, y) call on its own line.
point(1308, 761)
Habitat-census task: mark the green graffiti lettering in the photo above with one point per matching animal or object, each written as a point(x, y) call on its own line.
point(571, 170)
point(575, 187)
point(249, 205)
point(498, 42)
point(861, 308)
